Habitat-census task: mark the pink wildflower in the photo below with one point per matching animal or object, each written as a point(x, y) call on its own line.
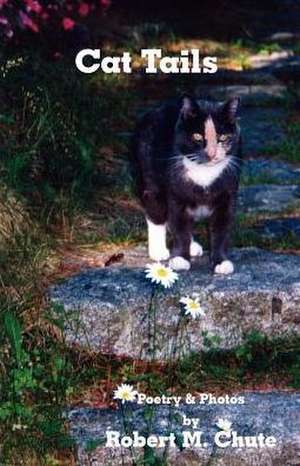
point(33, 5)
point(68, 24)
point(84, 9)
point(28, 22)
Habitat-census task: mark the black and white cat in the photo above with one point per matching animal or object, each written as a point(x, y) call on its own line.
point(187, 159)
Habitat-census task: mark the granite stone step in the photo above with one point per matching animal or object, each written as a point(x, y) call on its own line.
point(257, 95)
point(278, 228)
point(270, 171)
point(268, 198)
point(108, 309)
point(273, 414)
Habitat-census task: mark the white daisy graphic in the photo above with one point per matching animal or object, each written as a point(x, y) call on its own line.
point(125, 392)
point(192, 306)
point(224, 424)
point(161, 274)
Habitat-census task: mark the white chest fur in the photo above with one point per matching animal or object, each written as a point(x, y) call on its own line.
point(203, 174)
point(200, 212)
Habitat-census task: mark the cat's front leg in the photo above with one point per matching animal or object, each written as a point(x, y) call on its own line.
point(180, 225)
point(157, 241)
point(220, 228)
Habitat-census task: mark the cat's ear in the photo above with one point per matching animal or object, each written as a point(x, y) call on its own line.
point(231, 108)
point(189, 107)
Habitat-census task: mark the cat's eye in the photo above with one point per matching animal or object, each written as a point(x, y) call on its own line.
point(197, 137)
point(223, 138)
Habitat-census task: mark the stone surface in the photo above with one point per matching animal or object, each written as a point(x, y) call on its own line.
point(270, 171)
point(289, 73)
point(253, 95)
point(111, 313)
point(283, 37)
point(270, 61)
point(279, 227)
point(261, 127)
point(241, 77)
point(273, 414)
point(268, 198)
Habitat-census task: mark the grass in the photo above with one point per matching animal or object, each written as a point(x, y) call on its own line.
point(55, 152)
point(52, 143)
point(248, 179)
point(246, 235)
point(258, 360)
point(32, 384)
point(289, 148)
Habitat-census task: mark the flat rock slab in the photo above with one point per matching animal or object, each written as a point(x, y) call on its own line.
point(109, 309)
point(271, 61)
point(262, 170)
point(279, 228)
point(268, 198)
point(262, 127)
point(273, 414)
point(253, 95)
point(227, 77)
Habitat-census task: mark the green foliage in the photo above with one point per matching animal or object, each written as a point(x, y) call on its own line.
point(35, 368)
point(268, 48)
point(53, 124)
point(295, 373)
point(248, 179)
point(289, 148)
point(245, 237)
point(34, 382)
point(151, 458)
point(258, 356)
point(211, 341)
point(13, 331)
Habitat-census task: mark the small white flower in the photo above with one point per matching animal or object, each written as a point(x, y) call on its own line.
point(16, 427)
point(192, 306)
point(224, 424)
point(19, 427)
point(124, 393)
point(161, 274)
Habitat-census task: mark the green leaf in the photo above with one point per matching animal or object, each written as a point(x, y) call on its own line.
point(14, 334)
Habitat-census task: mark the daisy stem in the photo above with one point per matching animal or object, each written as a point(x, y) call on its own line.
point(127, 428)
point(152, 324)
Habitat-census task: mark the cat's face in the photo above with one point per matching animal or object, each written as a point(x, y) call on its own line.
point(207, 133)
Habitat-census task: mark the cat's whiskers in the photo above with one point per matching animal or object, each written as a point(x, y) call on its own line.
point(233, 165)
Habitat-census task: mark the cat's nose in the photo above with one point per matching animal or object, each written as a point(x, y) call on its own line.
point(211, 150)
point(210, 138)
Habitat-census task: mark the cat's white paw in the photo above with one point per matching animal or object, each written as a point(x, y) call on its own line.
point(157, 244)
point(196, 249)
point(179, 263)
point(159, 254)
point(225, 268)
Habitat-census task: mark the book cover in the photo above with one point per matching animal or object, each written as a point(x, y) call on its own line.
point(149, 233)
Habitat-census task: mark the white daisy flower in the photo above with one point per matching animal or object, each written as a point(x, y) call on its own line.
point(192, 306)
point(19, 426)
point(161, 274)
point(224, 424)
point(124, 393)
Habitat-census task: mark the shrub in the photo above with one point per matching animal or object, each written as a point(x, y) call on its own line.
point(45, 17)
point(53, 123)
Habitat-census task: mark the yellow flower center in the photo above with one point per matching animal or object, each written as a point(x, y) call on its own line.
point(193, 305)
point(126, 395)
point(162, 273)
